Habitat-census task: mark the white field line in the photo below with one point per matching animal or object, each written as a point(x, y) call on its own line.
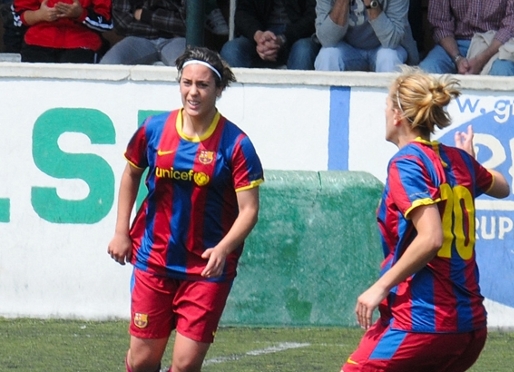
point(269, 350)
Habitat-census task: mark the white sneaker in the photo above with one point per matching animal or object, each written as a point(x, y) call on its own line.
point(215, 23)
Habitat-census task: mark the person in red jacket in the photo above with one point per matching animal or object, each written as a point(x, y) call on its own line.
point(62, 30)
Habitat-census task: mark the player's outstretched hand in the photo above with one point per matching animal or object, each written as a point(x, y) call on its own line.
point(464, 141)
point(120, 248)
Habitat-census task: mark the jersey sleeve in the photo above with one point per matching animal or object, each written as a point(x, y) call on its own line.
point(247, 169)
point(484, 180)
point(136, 152)
point(412, 186)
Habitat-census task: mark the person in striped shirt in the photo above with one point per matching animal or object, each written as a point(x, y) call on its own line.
point(431, 313)
point(188, 235)
point(471, 37)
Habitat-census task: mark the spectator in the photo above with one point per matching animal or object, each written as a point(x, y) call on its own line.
point(217, 15)
point(13, 35)
point(62, 31)
point(416, 24)
point(471, 37)
point(153, 30)
point(364, 35)
point(273, 33)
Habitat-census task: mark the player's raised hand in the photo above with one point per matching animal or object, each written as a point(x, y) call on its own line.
point(464, 141)
point(120, 248)
point(65, 10)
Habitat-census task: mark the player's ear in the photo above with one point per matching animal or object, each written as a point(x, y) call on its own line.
point(397, 116)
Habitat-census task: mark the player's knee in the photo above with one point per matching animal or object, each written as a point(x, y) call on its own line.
point(138, 363)
point(185, 364)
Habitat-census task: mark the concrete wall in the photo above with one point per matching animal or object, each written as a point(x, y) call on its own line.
point(313, 251)
point(64, 129)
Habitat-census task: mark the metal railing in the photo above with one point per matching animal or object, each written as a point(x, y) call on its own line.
point(195, 19)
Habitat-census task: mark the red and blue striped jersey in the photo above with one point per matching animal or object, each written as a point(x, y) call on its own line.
point(191, 202)
point(445, 295)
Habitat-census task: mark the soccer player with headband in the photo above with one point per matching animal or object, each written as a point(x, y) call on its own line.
point(188, 235)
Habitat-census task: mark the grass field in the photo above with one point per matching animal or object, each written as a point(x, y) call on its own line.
point(31, 345)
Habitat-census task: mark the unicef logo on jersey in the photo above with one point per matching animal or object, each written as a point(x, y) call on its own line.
point(493, 125)
point(201, 179)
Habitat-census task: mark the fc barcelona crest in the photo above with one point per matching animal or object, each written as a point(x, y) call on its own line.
point(206, 157)
point(140, 320)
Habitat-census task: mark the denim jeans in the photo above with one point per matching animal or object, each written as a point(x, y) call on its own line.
point(241, 52)
point(344, 57)
point(439, 62)
point(133, 50)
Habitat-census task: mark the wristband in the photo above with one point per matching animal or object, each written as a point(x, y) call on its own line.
point(457, 58)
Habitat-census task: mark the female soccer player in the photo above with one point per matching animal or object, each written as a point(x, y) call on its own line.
point(431, 312)
point(187, 237)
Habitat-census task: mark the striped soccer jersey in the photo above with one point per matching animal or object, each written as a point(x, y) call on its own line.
point(191, 202)
point(444, 296)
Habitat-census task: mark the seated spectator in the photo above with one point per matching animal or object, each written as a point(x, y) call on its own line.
point(65, 31)
point(13, 35)
point(216, 23)
point(472, 37)
point(153, 30)
point(364, 35)
point(416, 24)
point(273, 33)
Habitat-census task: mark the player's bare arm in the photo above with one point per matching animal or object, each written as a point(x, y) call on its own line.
point(424, 247)
point(120, 247)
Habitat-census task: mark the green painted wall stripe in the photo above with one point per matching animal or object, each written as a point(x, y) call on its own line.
point(314, 250)
point(5, 210)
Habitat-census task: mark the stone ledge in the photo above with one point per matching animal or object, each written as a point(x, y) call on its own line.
point(244, 75)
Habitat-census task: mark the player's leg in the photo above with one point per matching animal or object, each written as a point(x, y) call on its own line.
point(386, 349)
point(152, 320)
point(188, 354)
point(359, 360)
point(145, 355)
point(198, 306)
point(472, 344)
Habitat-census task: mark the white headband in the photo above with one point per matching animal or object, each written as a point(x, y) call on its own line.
point(191, 61)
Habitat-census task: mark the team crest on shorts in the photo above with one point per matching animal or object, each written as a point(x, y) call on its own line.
point(140, 320)
point(206, 157)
